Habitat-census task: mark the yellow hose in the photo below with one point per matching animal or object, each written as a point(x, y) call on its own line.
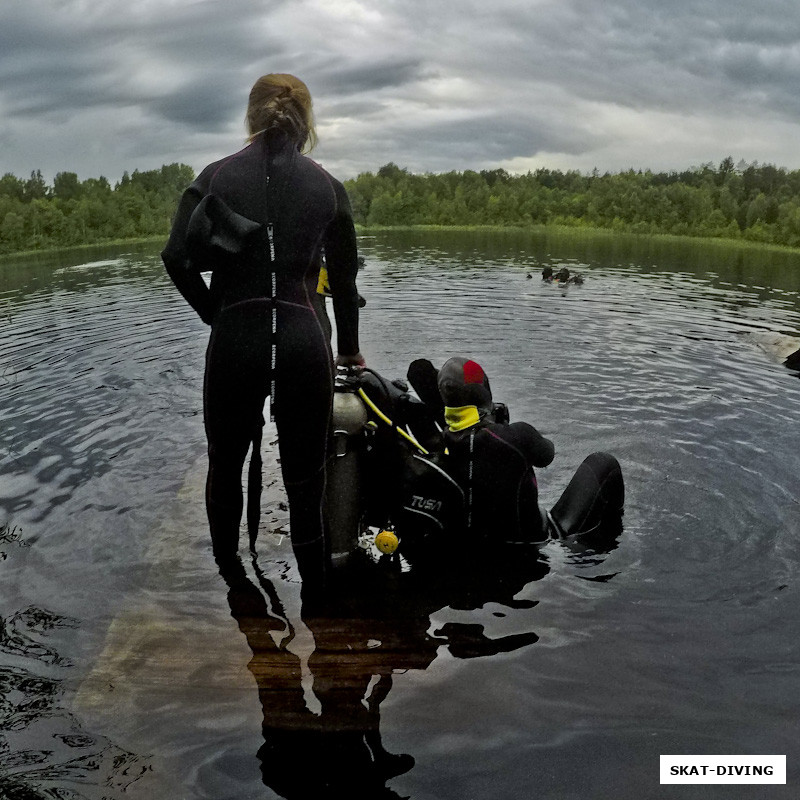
point(386, 419)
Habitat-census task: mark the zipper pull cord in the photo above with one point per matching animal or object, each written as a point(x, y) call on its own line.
point(274, 301)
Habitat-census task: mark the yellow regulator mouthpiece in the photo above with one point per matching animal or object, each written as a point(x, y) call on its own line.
point(386, 542)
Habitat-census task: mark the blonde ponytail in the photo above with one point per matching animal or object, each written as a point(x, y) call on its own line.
point(282, 101)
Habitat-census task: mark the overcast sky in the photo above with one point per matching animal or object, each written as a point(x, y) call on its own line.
point(98, 87)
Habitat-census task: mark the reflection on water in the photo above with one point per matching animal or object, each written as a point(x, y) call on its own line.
point(130, 668)
point(374, 628)
point(376, 623)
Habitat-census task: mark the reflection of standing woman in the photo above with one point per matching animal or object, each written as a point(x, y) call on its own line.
point(266, 338)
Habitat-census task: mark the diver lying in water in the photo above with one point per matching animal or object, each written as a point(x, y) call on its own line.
point(494, 460)
point(467, 472)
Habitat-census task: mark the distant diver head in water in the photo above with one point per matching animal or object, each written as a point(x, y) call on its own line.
point(462, 382)
point(283, 102)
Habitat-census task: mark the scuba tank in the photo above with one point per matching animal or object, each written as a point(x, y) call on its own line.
point(344, 485)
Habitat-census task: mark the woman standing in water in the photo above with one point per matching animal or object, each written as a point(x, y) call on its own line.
point(259, 220)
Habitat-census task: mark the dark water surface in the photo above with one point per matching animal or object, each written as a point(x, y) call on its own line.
point(129, 669)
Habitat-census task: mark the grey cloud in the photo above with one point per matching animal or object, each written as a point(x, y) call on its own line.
point(365, 76)
point(483, 139)
point(554, 76)
point(647, 54)
point(208, 104)
point(41, 65)
point(778, 31)
point(55, 62)
point(748, 66)
point(475, 142)
point(350, 108)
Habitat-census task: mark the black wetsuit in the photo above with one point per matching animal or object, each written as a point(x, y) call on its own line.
point(493, 463)
point(309, 211)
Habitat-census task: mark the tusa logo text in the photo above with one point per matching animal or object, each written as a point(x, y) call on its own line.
point(425, 503)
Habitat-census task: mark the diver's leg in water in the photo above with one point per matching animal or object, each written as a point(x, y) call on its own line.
point(593, 499)
point(304, 394)
point(233, 398)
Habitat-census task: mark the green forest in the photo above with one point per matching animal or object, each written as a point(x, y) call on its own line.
point(759, 203)
point(36, 216)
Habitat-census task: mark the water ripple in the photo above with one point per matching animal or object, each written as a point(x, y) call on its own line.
point(656, 358)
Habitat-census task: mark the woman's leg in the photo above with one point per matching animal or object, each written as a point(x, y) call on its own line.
point(236, 384)
point(304, 394)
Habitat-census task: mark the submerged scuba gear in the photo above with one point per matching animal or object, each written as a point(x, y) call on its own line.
point(376, 427)
point(407, 436)
point(388, 466)
point(344, 474)
point(419, 497)
point(387, 542)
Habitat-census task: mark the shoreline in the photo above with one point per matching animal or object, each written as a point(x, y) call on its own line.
point(75, 248)
point(577, 231)
point(588, 231)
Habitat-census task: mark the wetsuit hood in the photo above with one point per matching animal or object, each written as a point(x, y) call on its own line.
point(462, 382)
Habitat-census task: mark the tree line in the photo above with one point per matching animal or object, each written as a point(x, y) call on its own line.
point(35, 215)
point(750, 201)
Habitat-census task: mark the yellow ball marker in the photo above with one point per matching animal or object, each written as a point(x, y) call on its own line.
point(386, 542)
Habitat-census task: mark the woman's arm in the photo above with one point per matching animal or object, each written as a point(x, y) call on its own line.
point(341, 257)
point(188, 281)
